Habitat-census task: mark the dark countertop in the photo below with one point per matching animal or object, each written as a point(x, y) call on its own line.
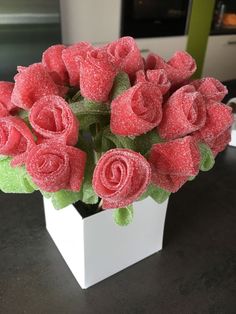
point(195, 273)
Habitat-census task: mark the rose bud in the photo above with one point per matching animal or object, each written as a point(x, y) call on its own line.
point(32, 83)
point(183, 113)
point(6, 105)
point(120, 177)
point(52, 118)
point(15, 139)
point(125, 55)
point(173, 162)
point(52, 60)
point(157, 77)
point(72, 57)
point(53, 166)
point(137, 110)
point(96, 75)
point(179, 68)
point(210, 88)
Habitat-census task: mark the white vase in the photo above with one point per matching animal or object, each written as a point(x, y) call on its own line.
point(95, 247)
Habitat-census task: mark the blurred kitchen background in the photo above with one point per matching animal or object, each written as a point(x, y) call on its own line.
point(28, 27)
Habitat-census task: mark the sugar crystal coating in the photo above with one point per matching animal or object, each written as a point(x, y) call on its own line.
point(120, 177)
point(72, 57)
point(210, 88)
point(183, 113)
point(6, 89)
point(51, 117)
point(31, 84)
point(125, 55)
point(173, 162)
point(54, 166)
point(96, 75)
point(137, 110)
point(179, 68)
point(15, 139)
point(52, 60)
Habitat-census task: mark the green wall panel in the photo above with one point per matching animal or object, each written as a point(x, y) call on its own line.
point(199, 29)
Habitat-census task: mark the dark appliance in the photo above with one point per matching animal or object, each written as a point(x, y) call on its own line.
point(154, 18)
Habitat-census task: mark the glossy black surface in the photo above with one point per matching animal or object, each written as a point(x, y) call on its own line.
point(194, 273)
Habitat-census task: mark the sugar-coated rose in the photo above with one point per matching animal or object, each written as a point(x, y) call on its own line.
point(120, 177)
point(125, 55)
point(218, 144)
point(173, 162)
point(72, 57)
point(183, 113)
point(158, 77)
point(219, 119)
point(216, 132)
point(52, 60)
point(32, 83)
point(96, 75)
point(53, 166)
point(137, 110)
point(52, 118)
point(15, 139)
point(210, 88)
point(179, 68)
point(6, 106)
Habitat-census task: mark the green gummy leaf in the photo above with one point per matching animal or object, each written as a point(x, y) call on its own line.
point(158, 194)
point(191, 178)
point(89, 113)
point(207, 158)
point(144, 142)
point(123, 216)
point(24, 115)
point(64, 198)
point(121, 84)
point(14, 180)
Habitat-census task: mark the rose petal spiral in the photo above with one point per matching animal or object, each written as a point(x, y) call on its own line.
point(173, 162)
point(53, 166)
point(52, 60)
point(16, 139)
point(137, 110)
point(31, 84)
point(183, 113)
point(96, 75)
point(72, 57)
point(52, 118)
point(120, 177)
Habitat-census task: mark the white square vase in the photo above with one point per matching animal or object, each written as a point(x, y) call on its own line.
point(95, 248)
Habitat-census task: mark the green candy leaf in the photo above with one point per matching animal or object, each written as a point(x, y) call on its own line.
point(158, 194)
point(89, 113)
point(14, 180)
point(123, 216)
point(121, 84)
point(88, 195)
point(64, 198)
point(144, 142)
point(207, 158)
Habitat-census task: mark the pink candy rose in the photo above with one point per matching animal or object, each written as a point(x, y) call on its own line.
point(96, 75)
point(32, 83)
point(54, 166)
point(120, 177)
point(6, 106)
point(183, 113)
point(52, 60)
point(125, 55)
point(137, 110)
point(52, 118)
point(173, 162)
point(179, 68)
point(16, 139)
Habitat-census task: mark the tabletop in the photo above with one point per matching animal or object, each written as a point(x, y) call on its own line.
point(195, 273)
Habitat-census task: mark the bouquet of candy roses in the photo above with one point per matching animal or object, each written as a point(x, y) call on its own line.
point(108, 127)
